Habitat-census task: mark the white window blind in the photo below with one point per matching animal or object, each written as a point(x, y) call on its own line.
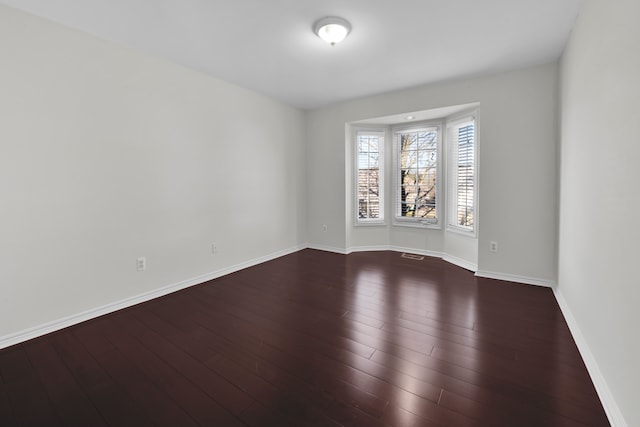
point(461, 141)
point(369, 176)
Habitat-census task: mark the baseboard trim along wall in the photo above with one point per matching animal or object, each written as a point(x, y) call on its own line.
point(433, 254)
point(515, 278)
point(611, 408)
point(333, 249)
point(460, 263)
point(602, 388)
point(376, 248)
point(16, 338)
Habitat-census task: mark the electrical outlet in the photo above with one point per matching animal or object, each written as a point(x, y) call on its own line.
point(214, 248)
point(141, 264)
point(493, 246)
point(324, 228)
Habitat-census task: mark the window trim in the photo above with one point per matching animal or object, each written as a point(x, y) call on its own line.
point(382, 131)
point(416, 222)
point(452, 170)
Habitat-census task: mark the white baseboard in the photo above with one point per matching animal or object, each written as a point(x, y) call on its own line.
point(424, 252)
point(602, 388)
point(376, 248)
point(461, 263)
point(515, 278)
point(611, 408)
point(18, 337)
point(448, 258)
point(394, 249)
point(327, 249)
point(433, 254)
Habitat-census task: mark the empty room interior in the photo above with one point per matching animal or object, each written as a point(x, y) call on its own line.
point(212, 216)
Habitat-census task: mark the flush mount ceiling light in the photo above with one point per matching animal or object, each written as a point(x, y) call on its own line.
point(332, 29)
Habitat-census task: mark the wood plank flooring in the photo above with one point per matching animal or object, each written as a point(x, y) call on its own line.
point(313, 339)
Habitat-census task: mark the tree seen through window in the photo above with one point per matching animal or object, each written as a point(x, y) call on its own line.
point(418, 173)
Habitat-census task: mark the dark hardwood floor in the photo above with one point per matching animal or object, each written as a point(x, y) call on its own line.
point(313, 339)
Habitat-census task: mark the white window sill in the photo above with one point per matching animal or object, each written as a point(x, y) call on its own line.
point(360, 223)
point(417, 224)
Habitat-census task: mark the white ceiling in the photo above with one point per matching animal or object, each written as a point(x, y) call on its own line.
point(269, 46)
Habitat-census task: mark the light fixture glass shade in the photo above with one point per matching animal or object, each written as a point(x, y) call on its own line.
point(332, 29)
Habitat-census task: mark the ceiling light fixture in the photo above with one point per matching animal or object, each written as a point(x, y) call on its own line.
point(332, 29)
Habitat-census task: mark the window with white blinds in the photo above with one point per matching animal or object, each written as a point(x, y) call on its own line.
point(433, 173)
point(417, 175)
point(461, 143)
point(369, 177)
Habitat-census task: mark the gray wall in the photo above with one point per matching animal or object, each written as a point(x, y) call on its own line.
point(108, 155)
point(599, 198)
point(517, 178)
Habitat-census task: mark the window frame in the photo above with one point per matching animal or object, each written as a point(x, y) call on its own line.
point(380, 131)
point(399, 220)
point(452, 173)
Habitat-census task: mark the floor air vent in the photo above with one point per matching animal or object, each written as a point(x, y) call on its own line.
point(412, 256)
